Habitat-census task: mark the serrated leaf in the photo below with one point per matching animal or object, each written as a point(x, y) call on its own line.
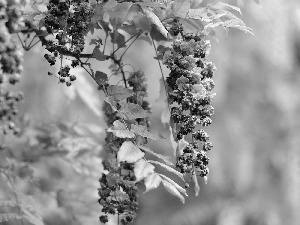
point(180, 8)
point(133, 111)
point(173, 190)
point(5, 217)
point(129, 152)
point(101, 78)
point(142, 131)
point(179, 188)
point(154, 20)
point(197, 187)
point(98, 54)
point(165, 158)
point(152, 181)
point(118, 92)
point(170, 169)
point(120, 130)
point(118, 13)
point(142, 169)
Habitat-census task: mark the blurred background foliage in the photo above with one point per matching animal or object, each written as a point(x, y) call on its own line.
point(254, 165)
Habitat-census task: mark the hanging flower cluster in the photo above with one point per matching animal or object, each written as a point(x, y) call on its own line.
point(11, 57)
point(69, 22)
point(119, 193)
point(190, 82)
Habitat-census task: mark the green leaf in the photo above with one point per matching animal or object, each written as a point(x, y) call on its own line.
point(154, 20)
point(142, 22)
point(120, 130)
point(197, 187)
point(180, 8)
point(165, 158)
point(196, 4)
point(111, 100)
point(118, 13)
point(109, 5)
point(5, 217)
point(142, 169)
point(222, 6)
point(98, 54)
point(118, 92)
point(101, 78)
point(170, 169)
point(132, 111)
point(142, 130)
point(118, 38)
point(152, 181)
point(130, 29)
point(179, 188)
point(129, 152)
point(171, 189)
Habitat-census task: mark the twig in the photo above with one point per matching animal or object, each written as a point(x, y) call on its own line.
point(129, 47)
point(162, 74)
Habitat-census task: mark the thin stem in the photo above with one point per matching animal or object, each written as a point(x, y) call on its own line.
point(118, 218)
point(162, 74)
point(20, 41)
point(33, 45)
point(82, 65)
point(129, 47)
point(105, 43)
point(31, 42)
point(137, 34)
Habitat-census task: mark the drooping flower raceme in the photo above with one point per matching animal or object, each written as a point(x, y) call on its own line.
point(191, 85)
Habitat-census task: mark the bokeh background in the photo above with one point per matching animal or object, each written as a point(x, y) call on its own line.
point(255, 163)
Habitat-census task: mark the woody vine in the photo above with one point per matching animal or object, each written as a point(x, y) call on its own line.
point(62, 28)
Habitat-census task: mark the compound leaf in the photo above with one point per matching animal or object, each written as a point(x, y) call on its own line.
point(181, 8)
point(165, 158)
point(101, 78)
point(179, 188)
point(129, 152)
point(154, 20)
point(223, 6)
point(120, 130)
point(118, 13)
point(142, 169)
point(170, 169)
point(142, 130)
point(132, 111)
point(118, 92)
point(98, 54)
point(173, 190)
point(152, 181)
